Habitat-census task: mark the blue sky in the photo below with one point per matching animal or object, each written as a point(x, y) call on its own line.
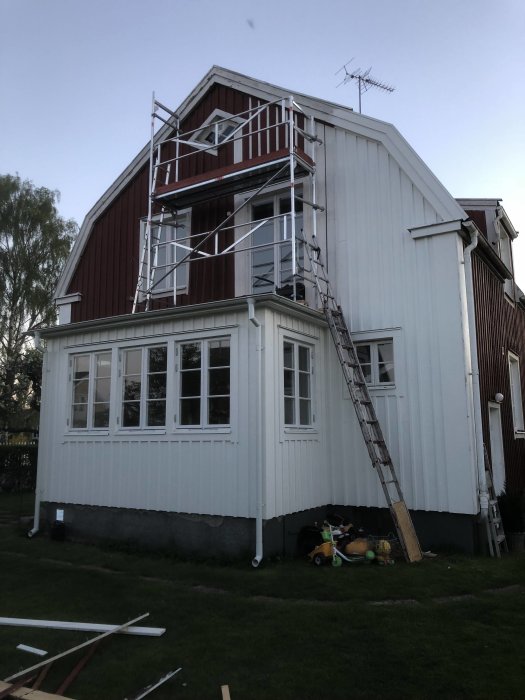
point(76, 78)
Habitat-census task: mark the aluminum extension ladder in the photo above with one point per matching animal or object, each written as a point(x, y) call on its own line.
point(364, 408)
point(495, 532)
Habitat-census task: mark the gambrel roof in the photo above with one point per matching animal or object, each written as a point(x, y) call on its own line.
point(328, 112)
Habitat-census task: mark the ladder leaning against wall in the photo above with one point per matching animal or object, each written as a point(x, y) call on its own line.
point(366, 414)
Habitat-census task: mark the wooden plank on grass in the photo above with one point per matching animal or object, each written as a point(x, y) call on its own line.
point(80, 626)
point(406, 527)
point(28, 671)
point(30, 694)
point(225, 690)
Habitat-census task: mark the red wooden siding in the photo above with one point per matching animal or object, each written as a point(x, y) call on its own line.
point(500, 327)
point(106, 274)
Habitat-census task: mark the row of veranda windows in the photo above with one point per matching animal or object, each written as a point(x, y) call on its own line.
point(203, 386)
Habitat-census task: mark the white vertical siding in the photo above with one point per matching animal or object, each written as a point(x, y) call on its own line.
point(412, 289)
point(182, 471)
point(297, 467)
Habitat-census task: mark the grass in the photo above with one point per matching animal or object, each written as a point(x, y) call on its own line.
point(445, 628)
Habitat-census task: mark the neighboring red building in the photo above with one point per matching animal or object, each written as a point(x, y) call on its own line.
point(500, 325)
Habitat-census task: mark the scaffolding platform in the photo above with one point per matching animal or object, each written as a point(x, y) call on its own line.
point(232, 179)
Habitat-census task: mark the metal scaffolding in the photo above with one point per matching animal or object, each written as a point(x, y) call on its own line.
point(272, 143)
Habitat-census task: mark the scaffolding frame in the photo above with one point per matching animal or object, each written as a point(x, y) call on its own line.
point(264, 166)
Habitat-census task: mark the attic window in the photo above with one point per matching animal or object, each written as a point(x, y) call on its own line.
point(217, 128)
point(218, 132)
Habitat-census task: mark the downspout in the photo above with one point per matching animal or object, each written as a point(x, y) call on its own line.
point(259, 442)
point(478, 425)
point(36, 517)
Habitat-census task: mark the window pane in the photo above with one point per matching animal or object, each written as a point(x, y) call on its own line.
point(263, 235)
point(262, 211)
point(132, 389)
point(219, 381)
point(101, 415)
point(158, 358)
point(133, 362)
point(304, 386)
point(288, 382)
point(191, 356)
point(80, 416)
point(190, 411)
point(103, 365)
point(363, 354)
point(289, 411)
point(102, 389)
point(80, 391)
point(304, 359)
point(219, 411)
point(288, 355)
point(219, 353)
point(385, 352)
point(81, 367)
point(285, 268)
point(131, 414)
point(386, 374)
point(305, 415)
point(156, 413)
point(285, 205)
point(190, 383)
point(157, 386)
point(385, 356)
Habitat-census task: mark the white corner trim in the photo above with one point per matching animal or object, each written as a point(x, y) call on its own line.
point(436, 229)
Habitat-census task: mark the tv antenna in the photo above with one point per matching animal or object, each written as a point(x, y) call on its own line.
point(364, 80)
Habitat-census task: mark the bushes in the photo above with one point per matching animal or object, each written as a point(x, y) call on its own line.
point(18, 468)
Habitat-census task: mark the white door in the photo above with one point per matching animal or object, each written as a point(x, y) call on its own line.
point(496, 448)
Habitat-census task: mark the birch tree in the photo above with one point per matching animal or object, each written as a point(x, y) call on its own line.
point(34, 244)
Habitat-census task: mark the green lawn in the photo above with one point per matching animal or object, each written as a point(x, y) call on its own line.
point(451, 627)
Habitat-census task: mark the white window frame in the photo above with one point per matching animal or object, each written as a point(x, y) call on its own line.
point(91, 379)
point(297, 372)
point(281, 234)
point(144, 388)
point(375, 381)
point(516, 394)
point(204, 395)
point(201, 134)
point(174, 252)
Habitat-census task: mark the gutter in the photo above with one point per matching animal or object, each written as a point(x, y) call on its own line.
point(478, 426)
point(259, 481)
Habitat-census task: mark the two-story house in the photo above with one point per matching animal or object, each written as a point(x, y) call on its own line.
point(192, 395)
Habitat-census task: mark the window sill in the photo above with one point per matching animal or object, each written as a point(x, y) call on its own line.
point(88, 432)
point(199, 430)
point(300, 430)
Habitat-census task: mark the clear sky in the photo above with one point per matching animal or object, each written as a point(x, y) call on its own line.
point(76, 78)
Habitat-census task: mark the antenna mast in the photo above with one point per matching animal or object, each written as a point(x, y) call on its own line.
point(364, 80)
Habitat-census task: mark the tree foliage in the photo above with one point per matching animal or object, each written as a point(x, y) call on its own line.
point(34, 244)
